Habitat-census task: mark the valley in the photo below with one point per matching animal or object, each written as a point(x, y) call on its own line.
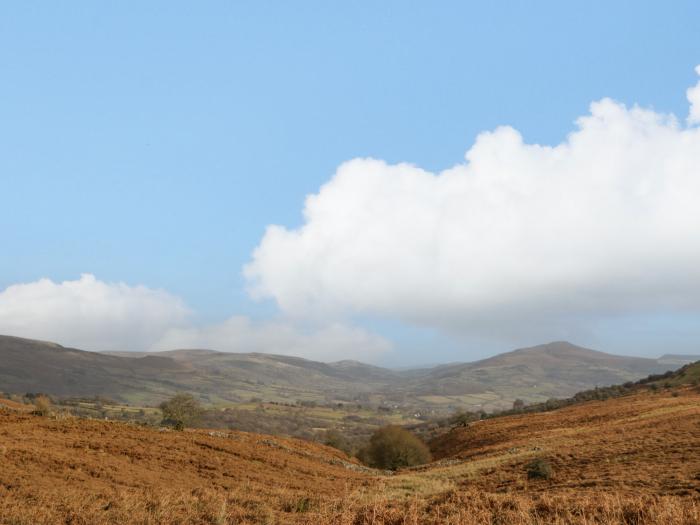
point(608, 455)
point(631, 459)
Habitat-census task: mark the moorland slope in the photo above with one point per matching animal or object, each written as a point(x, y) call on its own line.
point(629, 460)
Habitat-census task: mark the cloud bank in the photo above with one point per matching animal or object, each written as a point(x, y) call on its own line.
point(519, 236)
point(94, 315)
point(88, 313)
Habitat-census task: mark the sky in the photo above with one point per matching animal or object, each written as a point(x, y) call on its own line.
point(397, 182)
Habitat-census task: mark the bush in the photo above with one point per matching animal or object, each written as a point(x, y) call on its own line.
point(181, 410)
point(462, 419)
point(539, 469)
point(42, 406)
point(392, 447)
point(337, 440)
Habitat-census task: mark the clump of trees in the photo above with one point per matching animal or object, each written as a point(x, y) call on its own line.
point(180, 411)
point(392, 447)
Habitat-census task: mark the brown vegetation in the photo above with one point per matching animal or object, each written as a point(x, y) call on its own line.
point(392, 447)
point(42, 405)
point(631, 460)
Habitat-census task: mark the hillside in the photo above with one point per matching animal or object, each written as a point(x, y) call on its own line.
point(83, 471)
point(677, 359)
point(533, 374)
point(686, 375)
point(626, 460)
point(37, 366)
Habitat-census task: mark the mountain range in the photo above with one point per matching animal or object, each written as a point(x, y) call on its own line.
point(557, 369)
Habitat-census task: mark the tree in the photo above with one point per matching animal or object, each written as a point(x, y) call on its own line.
point(392, 447)
point(181, 410)
point(518, 404)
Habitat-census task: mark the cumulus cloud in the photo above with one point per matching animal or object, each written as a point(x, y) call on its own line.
point(240, 334)
point(520, 235)
point(89, 313)
point(94, 315)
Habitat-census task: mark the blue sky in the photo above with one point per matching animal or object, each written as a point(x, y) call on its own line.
point(153, 143)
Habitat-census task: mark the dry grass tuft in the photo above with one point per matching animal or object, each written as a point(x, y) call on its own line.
point(42, 406)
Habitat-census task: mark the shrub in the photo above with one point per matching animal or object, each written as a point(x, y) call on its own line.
point(42, 405)
point(337, 440)
point(181, 410)
point(539, 469)
point(392, 447)
point(462, 419)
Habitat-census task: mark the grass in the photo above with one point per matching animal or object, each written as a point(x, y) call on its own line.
point(630, 460)
point(456, 508)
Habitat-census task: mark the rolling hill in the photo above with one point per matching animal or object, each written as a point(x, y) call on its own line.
point(36, 366)
point(626, 460)
point(533, 374)
point(551, 370)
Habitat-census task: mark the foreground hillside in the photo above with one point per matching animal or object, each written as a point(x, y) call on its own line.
point(629, 460)
point(87, 471)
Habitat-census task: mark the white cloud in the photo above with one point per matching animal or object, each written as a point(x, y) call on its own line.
point(693, 94)
point(240, 334)
point(90, 314)
point(521, 235)
point(93, 315)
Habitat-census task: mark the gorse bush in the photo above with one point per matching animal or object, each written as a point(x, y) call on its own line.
point(392, 447)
